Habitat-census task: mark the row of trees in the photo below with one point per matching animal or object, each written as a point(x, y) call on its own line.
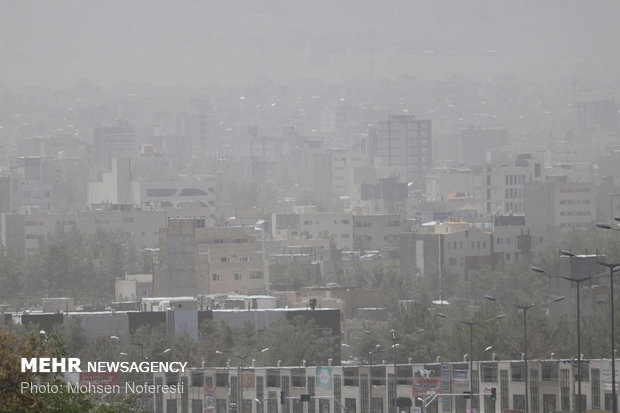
point(71, 264)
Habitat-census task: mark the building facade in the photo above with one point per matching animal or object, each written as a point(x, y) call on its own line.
point(195, 260)
point(412, 387)
point(406, 141)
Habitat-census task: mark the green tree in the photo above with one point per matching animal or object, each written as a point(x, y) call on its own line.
point(13, 400)
point(11, 274)
point(298, 340)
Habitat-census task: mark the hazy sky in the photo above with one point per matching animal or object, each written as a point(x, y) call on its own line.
point(56, 42)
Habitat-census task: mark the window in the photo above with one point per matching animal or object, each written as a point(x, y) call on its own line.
point(298, 377)
point(564, 389)
point(215, 277)
point(221, 379)
point(197, 378)
point(192, 192)
point(351, 376)
point(273, 378)
point(172, 378)
point(378, 375)
point(237, 276)
point(224, 259)
point(156, 192)
point(489, 372)
point(245, 259)
point(517, 371)
point(596, 389)
point(405, 374)
point(220, 406)
point(196, 405)
point(550, 370)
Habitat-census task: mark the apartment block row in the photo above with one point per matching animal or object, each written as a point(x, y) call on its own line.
point(178, 316)
point(497, 386)
point(21, 233)
point(346, 230)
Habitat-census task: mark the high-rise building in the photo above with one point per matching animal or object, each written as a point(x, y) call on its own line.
point(406, 141)
point(111, 142)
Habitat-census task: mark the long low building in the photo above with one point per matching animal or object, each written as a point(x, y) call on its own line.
point(179, 315)
point(498, 386)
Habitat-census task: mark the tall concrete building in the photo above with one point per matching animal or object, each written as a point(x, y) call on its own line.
point(406, 141)
point(195, 260)
point(498, 189)
point(559, 203)
point(109, 142)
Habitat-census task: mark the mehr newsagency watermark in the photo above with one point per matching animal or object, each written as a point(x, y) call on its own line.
point(99, 377)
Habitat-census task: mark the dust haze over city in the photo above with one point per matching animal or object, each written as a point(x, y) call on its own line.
point(312, 204)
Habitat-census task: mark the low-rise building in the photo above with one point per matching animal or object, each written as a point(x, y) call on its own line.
point(133, 287)
point(433, 387)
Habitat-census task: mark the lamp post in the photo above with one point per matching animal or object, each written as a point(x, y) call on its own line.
point(378, 348)
point(394, 347)
point(577, 282)
point(524, 309)
point(240, 376)
point(471, 325)
point(612, 268)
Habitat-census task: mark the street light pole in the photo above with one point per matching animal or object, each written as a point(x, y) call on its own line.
point(239, 377)
point(612, 268)
point(471, 325)
point(370, 353)
point(394, 347)
point(577, 282)
point(524, 309)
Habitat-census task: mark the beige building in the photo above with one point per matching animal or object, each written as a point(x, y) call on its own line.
point(21, 233)
point(346, 230)
point(358, 387)
point(196, 260)
point(560, 204)
point(133, 287)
